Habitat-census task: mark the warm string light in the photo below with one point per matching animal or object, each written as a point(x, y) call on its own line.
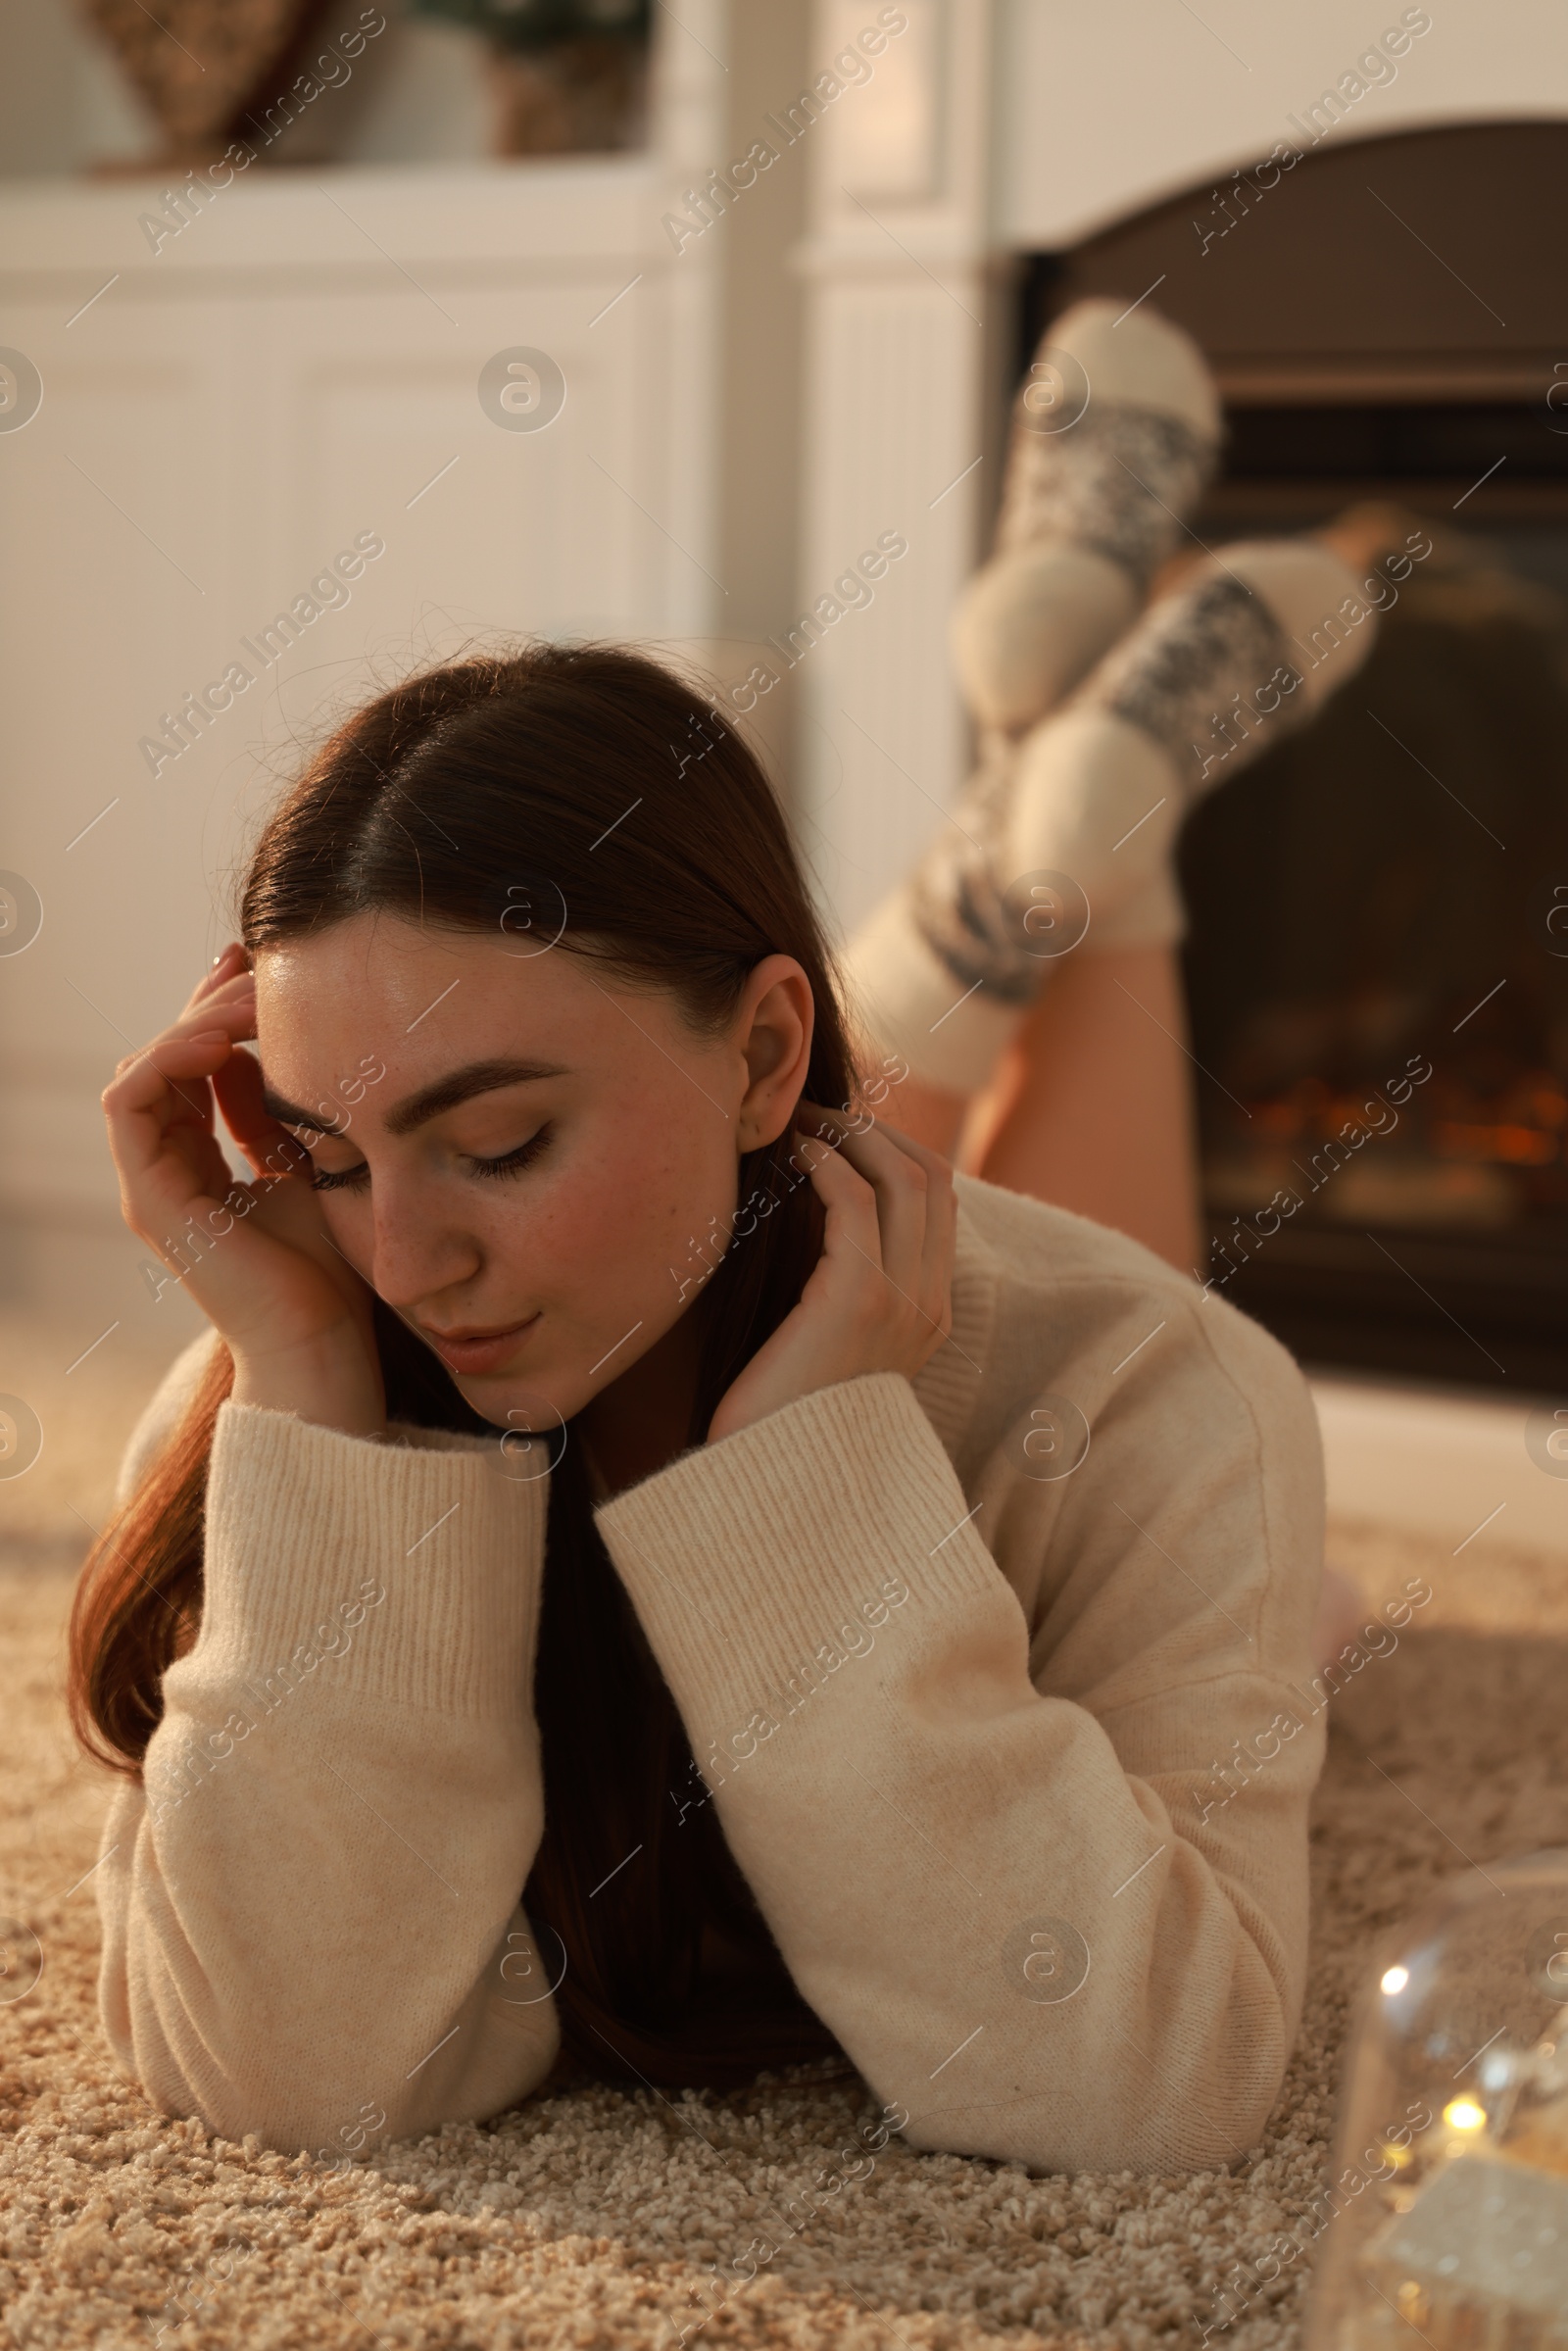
point(1463, 2114)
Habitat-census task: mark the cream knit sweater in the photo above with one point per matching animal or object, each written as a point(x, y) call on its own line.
point(964, 1717)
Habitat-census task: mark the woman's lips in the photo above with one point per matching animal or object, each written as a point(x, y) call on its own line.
point(478, 1351)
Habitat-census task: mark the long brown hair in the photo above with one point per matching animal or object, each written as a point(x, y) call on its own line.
point(590, 784)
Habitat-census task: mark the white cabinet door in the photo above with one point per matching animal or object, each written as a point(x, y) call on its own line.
point(289, 378)
point(124, 566)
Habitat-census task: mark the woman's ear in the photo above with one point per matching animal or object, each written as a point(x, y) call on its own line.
point(773, 1026)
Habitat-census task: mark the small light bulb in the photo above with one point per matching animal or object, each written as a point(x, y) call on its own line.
point(1463, 2114)
point(1395, 1979)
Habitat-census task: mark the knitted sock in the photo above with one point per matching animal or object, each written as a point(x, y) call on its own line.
point(1067, 835)
point(1114, 438)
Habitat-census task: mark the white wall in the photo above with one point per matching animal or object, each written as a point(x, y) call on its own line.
point(1102, 110)
point(902, 303)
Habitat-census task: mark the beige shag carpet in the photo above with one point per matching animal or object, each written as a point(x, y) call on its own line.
point(594, 2218)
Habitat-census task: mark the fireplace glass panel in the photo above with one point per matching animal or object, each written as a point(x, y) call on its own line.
point(1377, 971)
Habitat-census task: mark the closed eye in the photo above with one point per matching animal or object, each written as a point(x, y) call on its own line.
point(340, 1179)
point(508, 1164)
point(512, 1162)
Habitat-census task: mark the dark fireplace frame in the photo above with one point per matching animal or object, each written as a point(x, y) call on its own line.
point(1383, 323)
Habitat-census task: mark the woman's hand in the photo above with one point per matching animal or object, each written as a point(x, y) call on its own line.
point(880, 1296)
point(256, 1257)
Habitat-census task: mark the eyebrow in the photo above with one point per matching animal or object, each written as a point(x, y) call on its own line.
point(431, 1102)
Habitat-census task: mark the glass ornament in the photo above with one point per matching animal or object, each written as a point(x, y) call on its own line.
point(1448, 2194)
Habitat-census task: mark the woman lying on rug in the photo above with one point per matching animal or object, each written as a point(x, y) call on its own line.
point(866, 1704)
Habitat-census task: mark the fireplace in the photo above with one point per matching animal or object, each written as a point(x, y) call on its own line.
point(1377, 958)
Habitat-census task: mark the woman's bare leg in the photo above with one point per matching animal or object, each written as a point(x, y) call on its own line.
point(1091, 1109)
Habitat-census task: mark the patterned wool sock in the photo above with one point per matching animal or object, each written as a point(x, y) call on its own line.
point(1114, 437)
point(1067, 835)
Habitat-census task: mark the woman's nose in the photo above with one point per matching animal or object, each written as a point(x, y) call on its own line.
point(416, 1255)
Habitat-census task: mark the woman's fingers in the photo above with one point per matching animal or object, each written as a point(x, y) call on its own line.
point(879, 1298)
point(909, 1177)
point(942, 1203)
point(915, 1209)
point(225, 1015)
point(160, 1104)
point(158, 1111)
point(233, 1003)
point(217, 994)
point(165, 1086)
point(889, 1190)
point(148, 1083)
point(233, 963)
point(898, 1185)
point(859, 1305)
point(270, 1148)
point(230, 994)
point(885, 1321)
point(231, 1008)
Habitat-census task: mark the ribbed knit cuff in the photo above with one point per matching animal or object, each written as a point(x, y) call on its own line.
point(821, 1519)
point(414, 1564)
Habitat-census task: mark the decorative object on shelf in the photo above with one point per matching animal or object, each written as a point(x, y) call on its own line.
point(1450, 2194)
point(569, 76)
point(201, 65)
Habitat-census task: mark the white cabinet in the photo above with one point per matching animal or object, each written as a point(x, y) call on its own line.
point(297, 371)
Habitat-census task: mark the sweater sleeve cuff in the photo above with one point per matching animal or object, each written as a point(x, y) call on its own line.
point(416, 1563)
point(806, 1528)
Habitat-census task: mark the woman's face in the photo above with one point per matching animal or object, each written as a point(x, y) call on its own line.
point(530, 1181)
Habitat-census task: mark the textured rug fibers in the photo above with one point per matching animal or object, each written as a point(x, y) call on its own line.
point(594, 2218)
